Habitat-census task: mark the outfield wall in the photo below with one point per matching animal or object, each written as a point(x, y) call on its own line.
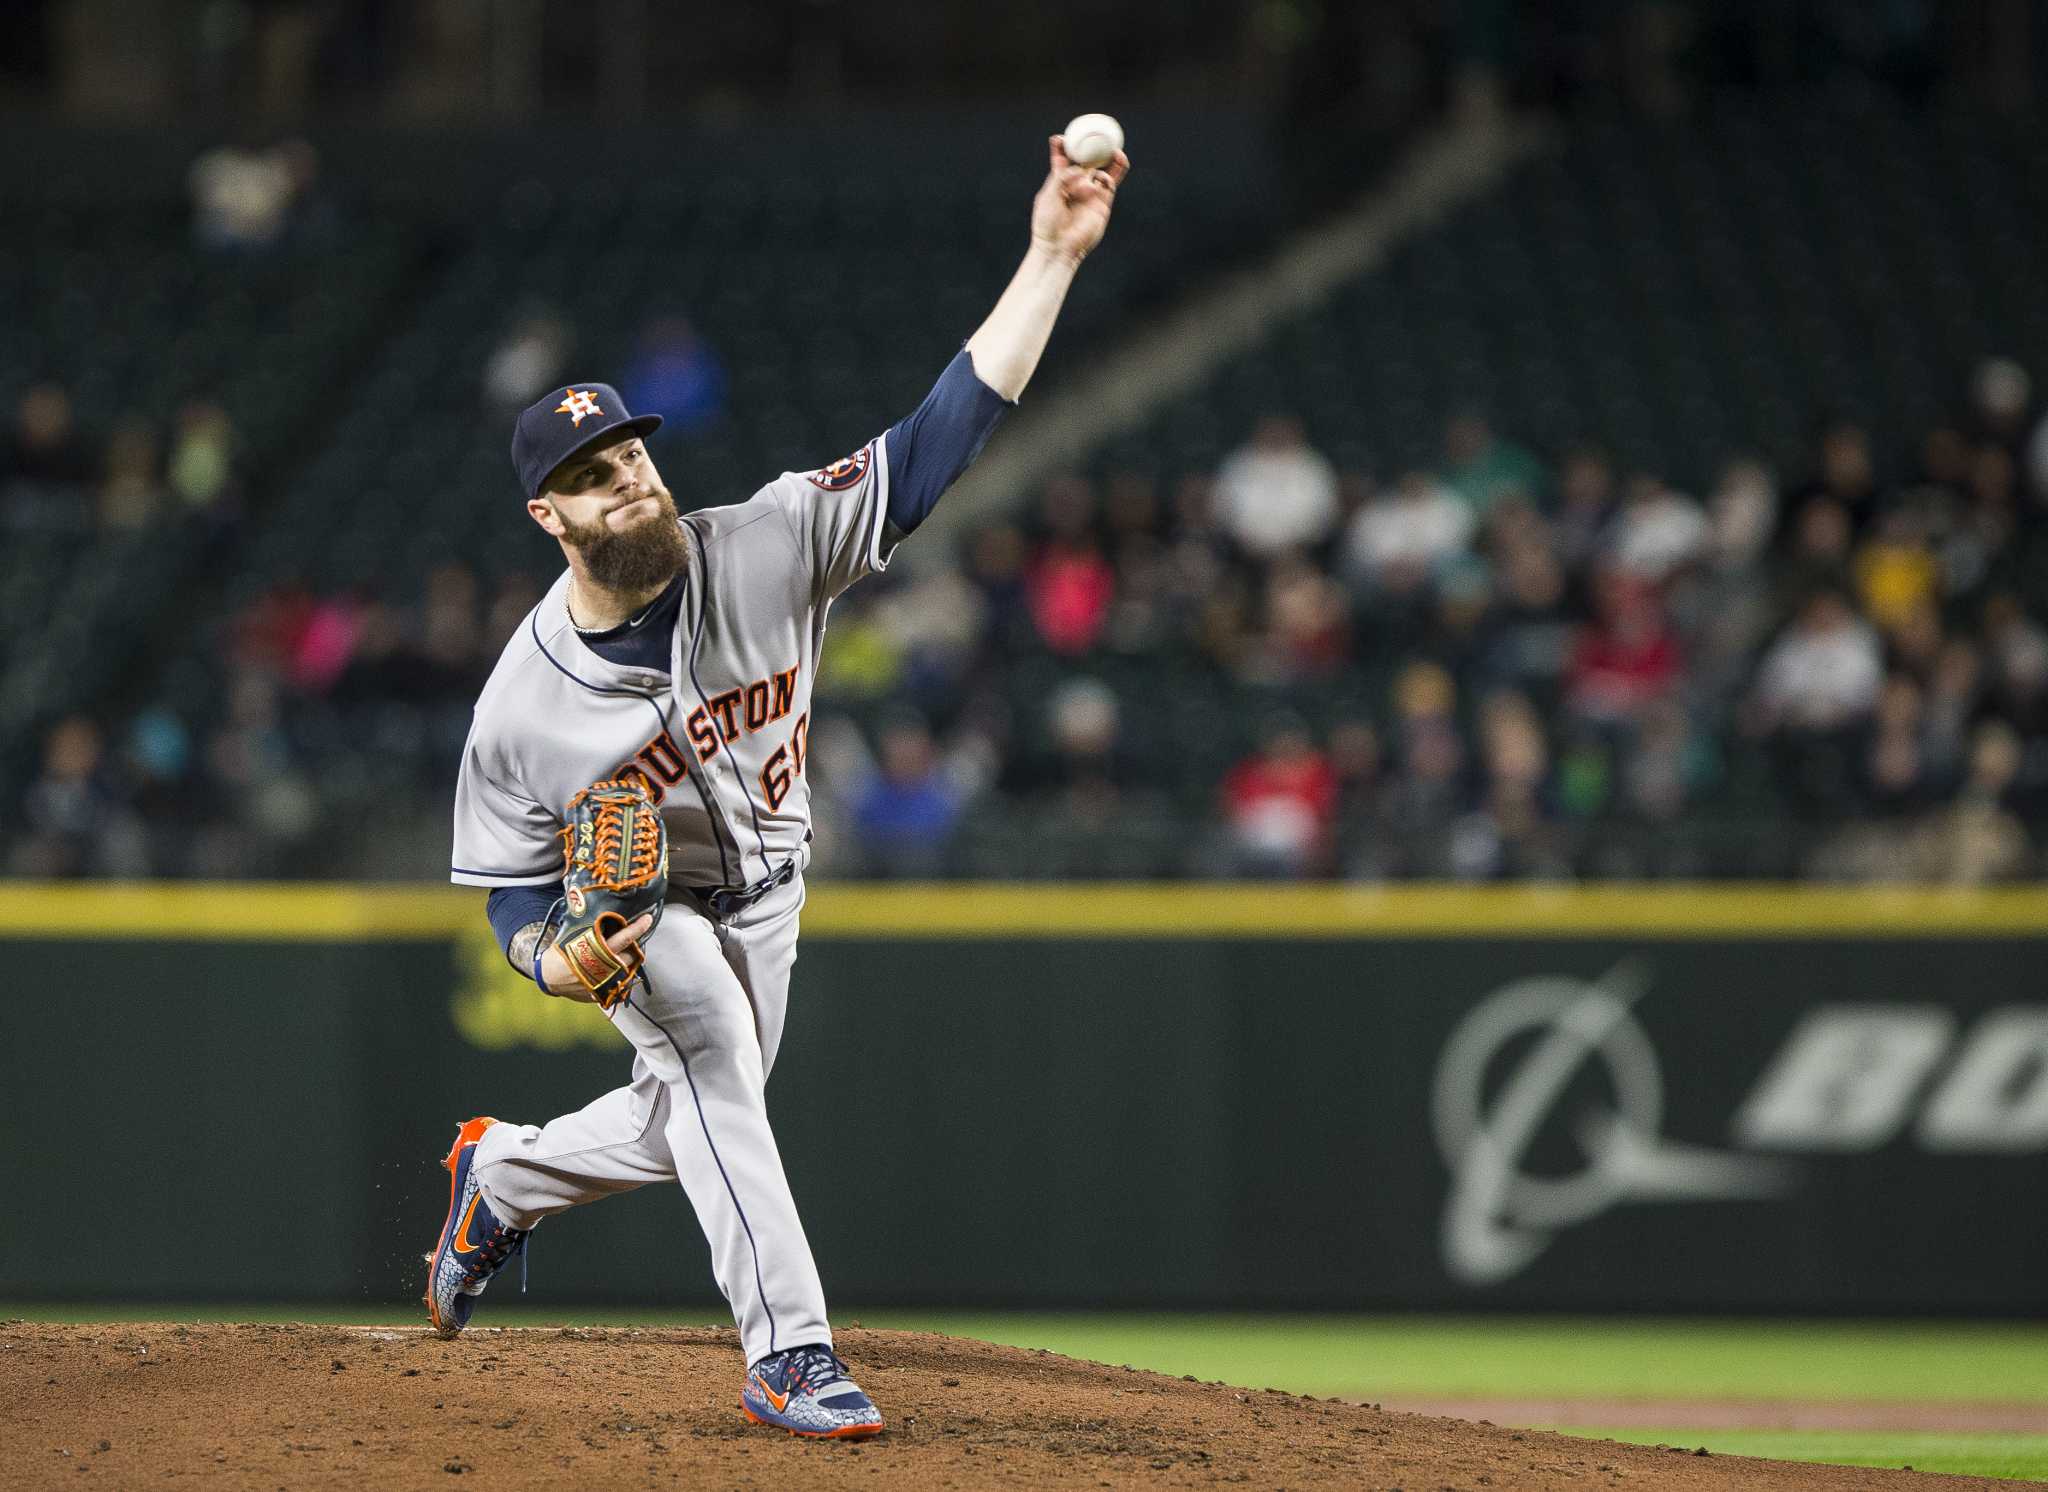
point(1751, 1099)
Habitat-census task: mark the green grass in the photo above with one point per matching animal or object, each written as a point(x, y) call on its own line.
point(1477, 1357)
point(1438, 1357)
point(1973, 1454)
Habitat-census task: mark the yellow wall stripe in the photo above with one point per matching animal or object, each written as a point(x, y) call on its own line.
point(88, 911)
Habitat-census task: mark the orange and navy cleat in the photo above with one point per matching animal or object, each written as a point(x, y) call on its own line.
point(805, 1391)
point(474, 1244)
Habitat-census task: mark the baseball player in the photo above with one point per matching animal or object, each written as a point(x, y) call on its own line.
point(680, 652)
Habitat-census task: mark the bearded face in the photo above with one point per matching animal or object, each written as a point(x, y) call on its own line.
point(643, 554)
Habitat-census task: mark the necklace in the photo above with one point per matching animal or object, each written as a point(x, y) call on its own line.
point(632, 621)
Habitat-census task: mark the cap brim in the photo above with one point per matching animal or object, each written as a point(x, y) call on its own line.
point(642, 425)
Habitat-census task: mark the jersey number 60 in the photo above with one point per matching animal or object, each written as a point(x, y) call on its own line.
point(786, 763)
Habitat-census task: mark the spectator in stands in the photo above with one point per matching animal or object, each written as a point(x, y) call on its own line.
point(1280, 803)
point(1509, 831)
point(906, 813)
point(1818, 557)
point(1896, 781)
point(1084, 775)
point(1658, 532)
point(1896, 574)
point(203, 464)
point(1668, 765)
point(44, 465)
point(1979, 838)
point(132, 493)
point(2016, 648)
point(1742, 515)
point(371, 653)
point(1142, 615)
point(1482, 467)
point(1427, 783)
point(936, 615)
point(448, 626)
point(1223, 629)
point(675, 374)
point(1944, 466)
point(1195, 563)
point(46, 448)
point(1528, 637)
point(1308, 625)
point(2001, 397)
point(263, 634)
point(1464, 603)
point(1953, 694)
point(1624, 660)
point(2036, 457)
point(996, 568)
point(1070, 585)
point(1724, 609)
point(1585, 508)
point(242, 196)
point(1277, 493)
point(1130, 508)
point(1402, 534)
point(1847, 474)
point(326, 644)
point(1354, 752)
point(1191, 518)
point(74, 820)
point(534, 353)
point(515, 596)
point(155, 772)
point(1980, 548)
point(1815, 689)
point(866, 661)
point(384, 665)
point(1823, 673)
point(251, 765)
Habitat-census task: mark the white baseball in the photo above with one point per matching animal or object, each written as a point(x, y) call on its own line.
point(1092, 139)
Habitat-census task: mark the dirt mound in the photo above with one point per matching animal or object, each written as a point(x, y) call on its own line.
point(327, 1406)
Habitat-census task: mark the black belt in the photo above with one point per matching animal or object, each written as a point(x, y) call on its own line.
point(725, 902)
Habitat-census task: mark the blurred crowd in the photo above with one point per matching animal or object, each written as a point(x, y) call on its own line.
point(1523, 664)
point(55, 477)
point(1515, 664)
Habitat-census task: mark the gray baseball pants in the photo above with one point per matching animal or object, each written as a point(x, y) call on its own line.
point(705, 1024)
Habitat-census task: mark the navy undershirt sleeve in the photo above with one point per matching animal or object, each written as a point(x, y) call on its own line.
point(513, 907)
point(939, 440)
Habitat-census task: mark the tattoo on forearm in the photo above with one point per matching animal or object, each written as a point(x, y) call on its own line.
point(525, 944)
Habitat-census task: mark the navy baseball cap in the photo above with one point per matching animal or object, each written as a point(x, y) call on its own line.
point(559, 424)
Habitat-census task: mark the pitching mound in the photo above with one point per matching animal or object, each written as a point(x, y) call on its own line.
point(327, 1406)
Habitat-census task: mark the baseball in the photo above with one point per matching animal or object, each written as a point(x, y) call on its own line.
point(1091, 139)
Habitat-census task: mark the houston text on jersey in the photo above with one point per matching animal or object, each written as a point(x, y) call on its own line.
point(660, 763)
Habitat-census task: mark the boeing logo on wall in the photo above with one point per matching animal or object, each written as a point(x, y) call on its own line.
point(1499, 1217)
point(1848, 1078)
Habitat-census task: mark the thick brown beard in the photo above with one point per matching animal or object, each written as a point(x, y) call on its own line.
point(646, 555)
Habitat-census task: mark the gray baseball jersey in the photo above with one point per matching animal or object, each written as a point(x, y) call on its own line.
point(721, 740)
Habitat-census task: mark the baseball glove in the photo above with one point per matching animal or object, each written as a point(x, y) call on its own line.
point(614, 868)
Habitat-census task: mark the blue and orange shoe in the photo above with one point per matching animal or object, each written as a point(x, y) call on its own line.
point(805, 1391)
point(474, 1244)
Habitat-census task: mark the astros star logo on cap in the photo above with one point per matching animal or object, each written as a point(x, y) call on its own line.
point(577, 405)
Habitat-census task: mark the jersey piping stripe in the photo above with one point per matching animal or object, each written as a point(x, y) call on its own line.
point(716, 1160)
point(714, 812)
point(533, 624)
point(501, 875)
point(880, 505)
point(696, 641)
point(715, 817)
point(660, 718)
